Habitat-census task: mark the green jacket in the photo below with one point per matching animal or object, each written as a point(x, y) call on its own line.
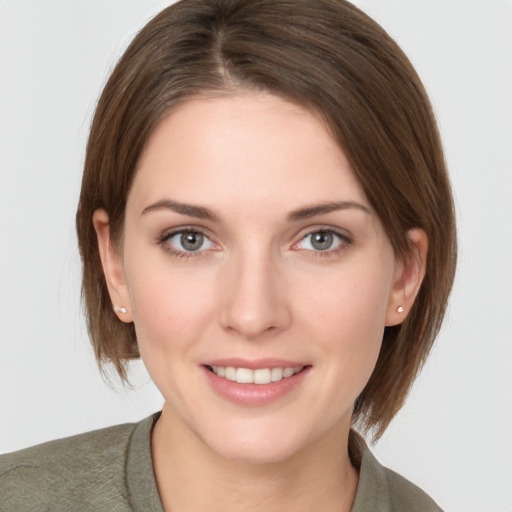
point(111, 470)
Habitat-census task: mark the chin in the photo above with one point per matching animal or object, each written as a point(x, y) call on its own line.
point(257, 444)
point(250, 452)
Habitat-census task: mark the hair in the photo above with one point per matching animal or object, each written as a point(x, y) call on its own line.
point(327, 56)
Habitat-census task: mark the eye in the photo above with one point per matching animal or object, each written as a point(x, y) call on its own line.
point(188, 240)
point(322, 240)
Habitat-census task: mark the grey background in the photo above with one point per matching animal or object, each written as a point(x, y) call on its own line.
point(454, 436)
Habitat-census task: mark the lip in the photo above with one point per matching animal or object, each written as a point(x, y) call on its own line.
point(254, 395)
point(255, 364)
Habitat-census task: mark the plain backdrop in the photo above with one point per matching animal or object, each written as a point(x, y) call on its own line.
point(454, 436)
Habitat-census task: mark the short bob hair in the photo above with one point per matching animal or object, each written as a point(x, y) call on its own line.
point(327, 56)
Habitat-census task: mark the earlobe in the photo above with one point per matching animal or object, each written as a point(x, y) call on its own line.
point(112, 264)
point(408, 277)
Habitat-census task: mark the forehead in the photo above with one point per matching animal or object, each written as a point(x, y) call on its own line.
point(250, 148)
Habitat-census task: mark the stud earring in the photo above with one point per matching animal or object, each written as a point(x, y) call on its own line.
point(399, 309)
point(120, 309)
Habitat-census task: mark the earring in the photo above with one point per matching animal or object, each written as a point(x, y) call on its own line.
point(399, 309)
point(120, 309)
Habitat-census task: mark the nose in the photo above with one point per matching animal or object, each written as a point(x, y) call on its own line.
point(255, 302)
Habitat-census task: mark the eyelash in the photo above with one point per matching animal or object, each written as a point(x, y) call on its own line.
point(345, 241)
point(164, 239)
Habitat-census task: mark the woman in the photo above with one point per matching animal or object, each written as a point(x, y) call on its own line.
point(266, 219)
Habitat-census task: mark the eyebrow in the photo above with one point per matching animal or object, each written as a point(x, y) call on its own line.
point(191, 210)
point(202, 212)
point(322, 208)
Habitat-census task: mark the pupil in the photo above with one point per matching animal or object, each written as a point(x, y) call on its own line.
point(322, 240)
point(191, 241)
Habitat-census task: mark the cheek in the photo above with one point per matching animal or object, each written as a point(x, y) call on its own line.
point(348, 320)
point(349, 301)
point(169, 307)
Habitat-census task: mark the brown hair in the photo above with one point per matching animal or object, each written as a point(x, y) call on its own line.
point(328, 56)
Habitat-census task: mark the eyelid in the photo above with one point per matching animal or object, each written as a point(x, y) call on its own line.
point(168, 234)
point(345, 238)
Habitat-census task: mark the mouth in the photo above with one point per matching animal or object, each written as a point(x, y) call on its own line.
point(255, 383)
point(258, 376)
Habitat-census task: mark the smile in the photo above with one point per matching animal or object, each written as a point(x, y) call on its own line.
point(259, 376)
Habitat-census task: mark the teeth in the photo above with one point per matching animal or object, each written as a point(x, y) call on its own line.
point(263, 376)
point(260, 376)
point(277, 374)
point(230, 373)
point(244, 376)
point(287, 372)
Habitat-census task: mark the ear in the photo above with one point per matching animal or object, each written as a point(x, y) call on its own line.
point(407, 278)
point(113, 269)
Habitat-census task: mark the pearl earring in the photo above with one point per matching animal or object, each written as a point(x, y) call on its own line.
point(399, 309)
point(120, 309)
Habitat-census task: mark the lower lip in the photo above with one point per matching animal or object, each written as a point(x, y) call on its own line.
point(254, 394)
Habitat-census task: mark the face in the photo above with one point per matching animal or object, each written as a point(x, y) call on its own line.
point(258, 276)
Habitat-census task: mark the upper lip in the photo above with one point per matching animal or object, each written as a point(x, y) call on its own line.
point(254, 364)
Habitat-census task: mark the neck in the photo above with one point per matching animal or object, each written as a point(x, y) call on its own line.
point(191, 477)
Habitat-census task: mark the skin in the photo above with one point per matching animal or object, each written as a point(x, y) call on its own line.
point(257, 288)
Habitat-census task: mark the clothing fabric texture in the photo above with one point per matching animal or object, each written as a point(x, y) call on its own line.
point(111, 470)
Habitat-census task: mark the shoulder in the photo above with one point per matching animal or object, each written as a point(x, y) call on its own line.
point(406, 496)
point(382, 489)
point(82, 472)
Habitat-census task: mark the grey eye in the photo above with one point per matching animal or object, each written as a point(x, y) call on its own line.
point(188, 241)
point(191, 240)
point(322, 240)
